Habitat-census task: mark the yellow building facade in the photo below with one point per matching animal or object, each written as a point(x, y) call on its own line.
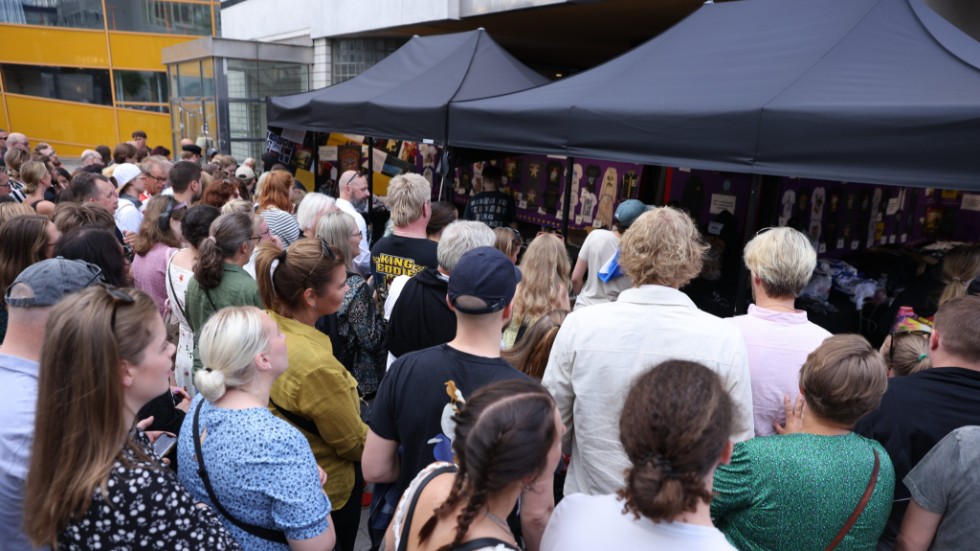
point(78, 73)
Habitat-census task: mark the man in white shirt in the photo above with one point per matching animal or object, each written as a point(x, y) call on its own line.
point(352, 189)
point(601, 349)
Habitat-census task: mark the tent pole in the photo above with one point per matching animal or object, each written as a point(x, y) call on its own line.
point(316, 159)
point(370, 177)
point(566, 204)
point(750, 221)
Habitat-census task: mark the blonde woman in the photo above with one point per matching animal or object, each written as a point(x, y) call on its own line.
point(37, 180)
point(259, 469)
point(94, 479)
point(545, 281)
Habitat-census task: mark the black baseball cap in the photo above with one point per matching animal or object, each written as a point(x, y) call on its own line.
point(483, 281)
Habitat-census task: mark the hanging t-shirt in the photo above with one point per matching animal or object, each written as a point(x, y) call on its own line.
point(493, 208)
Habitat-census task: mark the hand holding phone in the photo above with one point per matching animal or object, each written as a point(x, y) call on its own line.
point(164, 444)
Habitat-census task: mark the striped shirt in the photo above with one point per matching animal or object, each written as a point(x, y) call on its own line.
point(17, 190)
point(282, 224)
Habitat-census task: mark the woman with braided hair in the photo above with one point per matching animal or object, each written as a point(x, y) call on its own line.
point(506, 435)
point(675, 428)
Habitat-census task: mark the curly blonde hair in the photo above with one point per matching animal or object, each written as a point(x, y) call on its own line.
point(662, 247)
point(545, 279)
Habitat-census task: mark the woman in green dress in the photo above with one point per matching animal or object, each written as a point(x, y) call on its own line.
point(798, 489)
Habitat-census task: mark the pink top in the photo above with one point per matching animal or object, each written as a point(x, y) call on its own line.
point(150, 274)
point(778, 344)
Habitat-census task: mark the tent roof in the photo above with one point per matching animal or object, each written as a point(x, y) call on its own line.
point(405, 96)
point(881, 91)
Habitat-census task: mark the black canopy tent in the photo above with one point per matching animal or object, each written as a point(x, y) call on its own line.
point(406, 96)
point(878, 91)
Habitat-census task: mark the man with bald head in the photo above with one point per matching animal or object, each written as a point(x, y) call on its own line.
point(352, 191)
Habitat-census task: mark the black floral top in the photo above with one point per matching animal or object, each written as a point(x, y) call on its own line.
point(362, 326)
point(147, 508)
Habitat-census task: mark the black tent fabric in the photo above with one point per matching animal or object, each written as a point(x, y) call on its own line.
point(406, 94)
point(878, 91)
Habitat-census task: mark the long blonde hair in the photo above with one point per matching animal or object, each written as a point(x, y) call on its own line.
point(80, 426)
point(960, 266)
point(544, 279)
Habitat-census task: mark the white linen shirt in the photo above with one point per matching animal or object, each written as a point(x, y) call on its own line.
point(600, 350)
point(362, 262)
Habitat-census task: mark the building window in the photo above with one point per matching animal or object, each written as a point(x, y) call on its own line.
point(141, 86)
point(158, 16)
point(79, 14)
point(64, 83)
point(352, 57)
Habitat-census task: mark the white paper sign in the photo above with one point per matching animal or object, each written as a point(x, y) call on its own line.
point(891, 239)
point(714, 228)
point(293, 135)
point(971, 201)
point(904, 238)
point(721, 202)
point(840, 243)
point(892, 207)
point(327, 153)
point(854, 245)
point(379, 158)
point(823, 248)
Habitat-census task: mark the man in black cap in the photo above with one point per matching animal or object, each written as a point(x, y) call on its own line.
point(422, 387)
point(190, 152)
point(29, 300)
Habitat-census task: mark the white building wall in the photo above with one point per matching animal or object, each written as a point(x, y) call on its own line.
point(322, 63)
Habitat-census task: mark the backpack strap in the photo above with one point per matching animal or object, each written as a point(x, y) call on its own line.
point(269, 534)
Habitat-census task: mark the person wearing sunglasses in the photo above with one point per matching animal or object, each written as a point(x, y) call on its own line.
point(94, 478)
point(316, 394)
point(29, 300)
point(219, 279)
point(906, 352)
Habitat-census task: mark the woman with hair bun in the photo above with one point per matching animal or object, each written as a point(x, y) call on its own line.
point(219, 279)
point(906, 352)
point(180, 273)
point(675, 428)
point(817, 484)
point(506, 435)
point(316, 394)
point(260, 471)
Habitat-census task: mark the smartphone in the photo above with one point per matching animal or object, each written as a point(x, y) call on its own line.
point(164, 444)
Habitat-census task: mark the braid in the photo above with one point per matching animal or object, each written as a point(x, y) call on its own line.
point(476, 502)
point(455, 494)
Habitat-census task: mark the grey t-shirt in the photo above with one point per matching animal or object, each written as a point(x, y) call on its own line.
point(946, 482)
point(598, 248)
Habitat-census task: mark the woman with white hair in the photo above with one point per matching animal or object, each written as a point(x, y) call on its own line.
point(311, 209)
point(778, 337)
point(256, 470)
point(357, 330)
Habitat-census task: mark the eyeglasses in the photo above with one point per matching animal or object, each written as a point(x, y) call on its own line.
point(118, 297)
point(358, 233)
point(157, 178)
point(255, 238)
point(902, 334)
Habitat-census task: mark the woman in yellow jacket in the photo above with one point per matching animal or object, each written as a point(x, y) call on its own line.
point(316, 393)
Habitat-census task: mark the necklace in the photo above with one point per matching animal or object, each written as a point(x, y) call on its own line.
point(496, 520)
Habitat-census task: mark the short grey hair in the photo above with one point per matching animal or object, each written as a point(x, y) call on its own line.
point(462, 236)
point(783, 259)
point(313, 205)
point(157, 160)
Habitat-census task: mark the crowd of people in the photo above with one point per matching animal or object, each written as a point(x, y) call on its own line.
point(200, 358)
